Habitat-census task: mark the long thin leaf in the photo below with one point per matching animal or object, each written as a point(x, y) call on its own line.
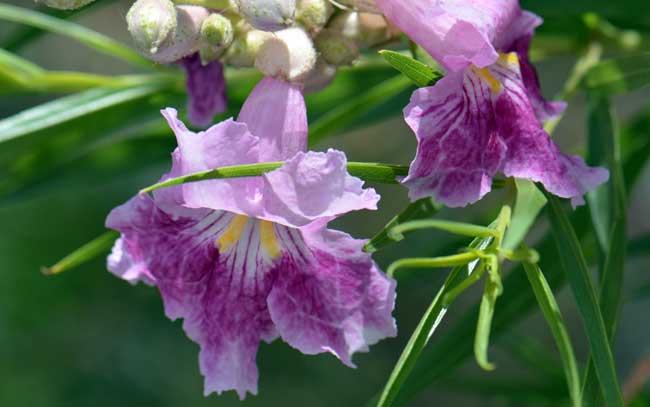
point(419, 73)
point(343, 115)
point(529, 202)
point(88, 37)
point(373, 172)
point(575, 266)
point(551, 311)
point(85, 253)
point(77, 105)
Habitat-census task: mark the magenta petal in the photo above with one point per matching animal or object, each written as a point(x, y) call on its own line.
point(206, 90)
point(314, 185)
point(224, 144)
point(275, 112)
point(458, 148)
point(456, 33)
point(329, 295)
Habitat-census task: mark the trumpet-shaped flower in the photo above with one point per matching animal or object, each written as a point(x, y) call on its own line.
point(484, 116)
point(251, 259)
point(206, 90)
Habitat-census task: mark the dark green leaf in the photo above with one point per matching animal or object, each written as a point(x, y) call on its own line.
point(576, 269)
point(421, 74)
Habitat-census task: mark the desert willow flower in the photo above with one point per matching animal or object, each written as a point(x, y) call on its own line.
point(485, 115)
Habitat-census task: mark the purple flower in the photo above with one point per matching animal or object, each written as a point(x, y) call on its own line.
point(484, 116)
point(206, 90)
point(251, 259)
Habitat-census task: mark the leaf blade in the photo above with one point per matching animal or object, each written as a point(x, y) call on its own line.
point(421, 74)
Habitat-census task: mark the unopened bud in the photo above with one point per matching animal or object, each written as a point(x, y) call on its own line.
point(361, 5)
point(320, 77)
point(313, 14)
point(216, 36)
point(186, 38)
point(366, 29)
point(335, 48)
point(245, 46)
point(65, 4)
point(268, 15)
point(150, 22)
point(288, 54)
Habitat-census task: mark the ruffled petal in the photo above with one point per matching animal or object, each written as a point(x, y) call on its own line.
point(126, 263)
point(329, 295)
point(456, 33)
point(214, 269)
point(275, 112)
point(476, 123)
point(459, 150)
point(531, 153)
point(224, 144)
point(206, 90)
point(314, 185)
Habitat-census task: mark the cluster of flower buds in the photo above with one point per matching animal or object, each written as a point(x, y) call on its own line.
point(297, 40)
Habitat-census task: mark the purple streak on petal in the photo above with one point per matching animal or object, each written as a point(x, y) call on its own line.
point(224, 144)
point(220, 296)
point(206, 89)
point(531, 152)
point(315, 185)
point(275, 112)
point(329, 295)
point(458, 148)
point(456, 33)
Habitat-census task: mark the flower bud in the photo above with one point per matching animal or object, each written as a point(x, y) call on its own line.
point(245, 46)
point(65, 4)
point(150, 22)
point(288, 54)
point(368, 6)
point(366, 29)
point(268, 15)
point(335, 48)
point(216, 35)
point(313, 14)
point(186, 38)
point(320, 77)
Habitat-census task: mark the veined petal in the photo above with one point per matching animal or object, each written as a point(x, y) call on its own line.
point(314, 185)
point(224, 144)
point(206, 90)
point(459, 150)
point(456, 33)
point(329, 295)
point(275, 112)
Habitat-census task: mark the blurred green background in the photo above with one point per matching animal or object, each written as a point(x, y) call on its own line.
point(86, 338)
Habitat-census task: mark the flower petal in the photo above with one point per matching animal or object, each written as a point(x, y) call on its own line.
point(275, 112)
point(206, 89)
point(531, 152)
point(214, 269)
point(224, 144)
point(456, 33)
point(314, 185)
point(329, 295)
point(458, 148)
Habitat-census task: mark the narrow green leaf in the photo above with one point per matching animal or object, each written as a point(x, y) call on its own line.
point(608, 209)
point(619, 75)
point(345, 114)
point(73, 106)
point(551, 311)
point(421, 74)
point(83, 254)
point(575, 267)
point(484, 324)
point(423, 208)
point(88, 37)
point(373, 172)
point(529, 202)
point(458, 228)
point(423, 332)
point(432, 262)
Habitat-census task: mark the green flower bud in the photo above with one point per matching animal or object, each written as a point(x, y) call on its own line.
point(247, 42)
point(313, 14)
point(216, 35)
point(268, 15)
point(288, 54)
point(65, 4)
point(335, 48)
point(150, 22)
point(320, 77)
point(366, 29)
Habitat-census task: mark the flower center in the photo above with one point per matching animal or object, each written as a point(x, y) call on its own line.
point(233, 234)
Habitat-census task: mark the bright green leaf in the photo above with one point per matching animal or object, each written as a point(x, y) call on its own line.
point(421, 74)
point(85, 253)
point(529, 202)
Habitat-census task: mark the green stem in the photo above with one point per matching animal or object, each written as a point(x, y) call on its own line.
point(458, 228)
point(433, 262)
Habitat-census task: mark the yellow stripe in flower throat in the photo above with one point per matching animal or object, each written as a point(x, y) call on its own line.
point(233, 232)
